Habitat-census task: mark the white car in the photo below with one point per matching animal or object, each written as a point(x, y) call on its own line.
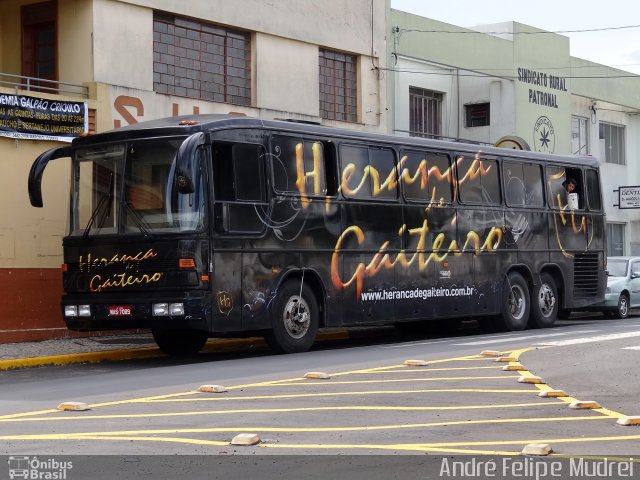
point(623, 286)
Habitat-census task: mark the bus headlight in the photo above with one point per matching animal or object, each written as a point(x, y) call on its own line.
point(77, 310)
point(176, 309)
point(166, 309)
point(160, 309)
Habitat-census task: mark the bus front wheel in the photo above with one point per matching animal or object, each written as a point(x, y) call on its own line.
point(544, 305)
point(515, 304)
point(294, 319)
point(179, 343)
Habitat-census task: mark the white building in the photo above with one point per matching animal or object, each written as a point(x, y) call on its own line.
point(511, 79)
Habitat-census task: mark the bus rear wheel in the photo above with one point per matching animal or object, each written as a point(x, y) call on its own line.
point(294, 319)
point(515, 304)
point(544, 305)
point(179, 343)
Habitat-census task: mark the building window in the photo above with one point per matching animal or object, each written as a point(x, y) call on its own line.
point(612, 138)
point(615, 239)
point(477, 115)
point(39, 43)
point(338, 86)
point(579, 136)
point(425, 113)
point(201, 60)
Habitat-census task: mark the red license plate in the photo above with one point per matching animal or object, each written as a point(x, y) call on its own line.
point(119, 310)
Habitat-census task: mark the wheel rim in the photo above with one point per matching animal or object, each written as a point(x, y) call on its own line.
point(546, 300)
point(624, 306)
point(296, 317)
point(517, 303)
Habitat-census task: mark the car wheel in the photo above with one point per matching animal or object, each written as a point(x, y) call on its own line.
point(623, 306)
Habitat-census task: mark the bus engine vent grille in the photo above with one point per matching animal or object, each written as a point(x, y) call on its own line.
point(585, 274)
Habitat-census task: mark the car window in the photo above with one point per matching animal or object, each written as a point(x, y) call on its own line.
point(617, 268)
point(635, 267)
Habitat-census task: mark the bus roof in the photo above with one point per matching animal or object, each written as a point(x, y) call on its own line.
point(188, 124)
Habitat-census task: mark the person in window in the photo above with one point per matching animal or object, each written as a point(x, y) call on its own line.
point(570, 185)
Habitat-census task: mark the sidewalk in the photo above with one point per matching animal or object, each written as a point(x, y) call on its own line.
point(77, 350)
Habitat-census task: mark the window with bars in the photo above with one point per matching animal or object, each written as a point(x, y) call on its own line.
point(477, 115)
point(425, 113)
point(201, 60)
point(338, 86)
point(612, 137)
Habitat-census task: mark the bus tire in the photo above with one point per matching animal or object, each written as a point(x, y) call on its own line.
point(515, 304)
point(544, 303)
point(295, 319)
point(179, 343)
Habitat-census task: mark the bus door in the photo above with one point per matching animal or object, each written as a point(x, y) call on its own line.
point(240, 198)
point(480, 222)
point(367, 250)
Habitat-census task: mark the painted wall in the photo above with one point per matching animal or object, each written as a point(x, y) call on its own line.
point(75, 40)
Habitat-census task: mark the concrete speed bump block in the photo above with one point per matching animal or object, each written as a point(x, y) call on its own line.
point(246, 439)
point(317, 375)
point(212, 389)
point(531, 379)
point(73, 406)
point(552, 393)
point(415, 363)
point(537, 449)
point(513, 367)
point(506, 359)
point(491, 353)
point(584, 404)
point(625, 421)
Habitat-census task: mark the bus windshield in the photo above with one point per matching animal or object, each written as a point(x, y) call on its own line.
point(130, 188)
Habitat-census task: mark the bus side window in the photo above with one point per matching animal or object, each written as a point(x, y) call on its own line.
point(426, 177)
point(593, 190)
point(514, 184)
point(239, 183)
point(523, 184)
point(368, 173)
point(478, 180)
point(533, 185)
point(298, 166)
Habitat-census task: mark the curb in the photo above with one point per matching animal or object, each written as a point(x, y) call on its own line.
point(217, 345)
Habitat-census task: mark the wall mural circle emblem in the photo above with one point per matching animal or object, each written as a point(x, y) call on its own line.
point(544, 136)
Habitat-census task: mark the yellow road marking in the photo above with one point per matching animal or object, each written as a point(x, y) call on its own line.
point(279, 410)
point(397, 380)
point(338, 394)
point(340, 429)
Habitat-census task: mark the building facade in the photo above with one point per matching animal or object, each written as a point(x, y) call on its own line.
point(348, 63)
point(513, 80)
point(133, 60)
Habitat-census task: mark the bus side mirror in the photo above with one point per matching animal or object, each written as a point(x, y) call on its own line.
point(184, 161)
point(37, 170)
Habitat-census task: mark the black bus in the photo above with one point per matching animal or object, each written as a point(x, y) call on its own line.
point(212, 226)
